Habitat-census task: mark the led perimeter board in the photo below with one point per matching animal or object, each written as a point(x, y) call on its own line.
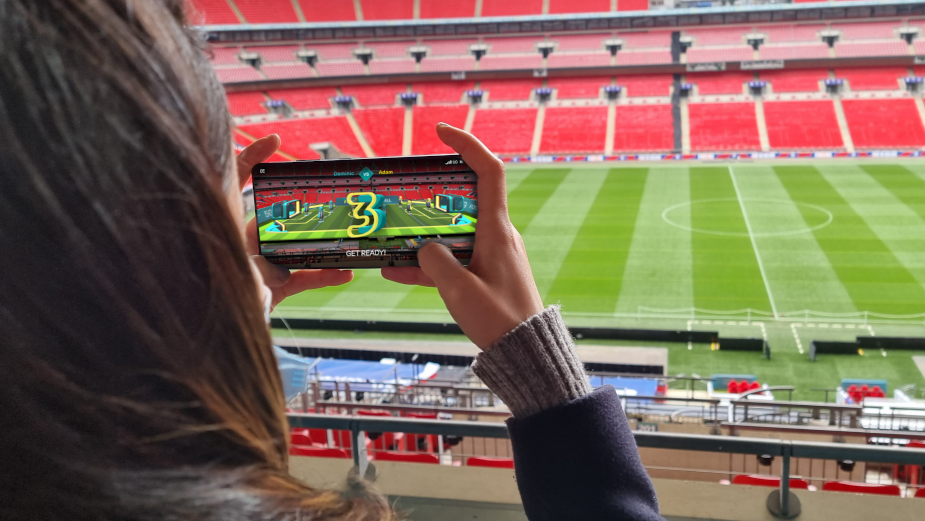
point(364, 213)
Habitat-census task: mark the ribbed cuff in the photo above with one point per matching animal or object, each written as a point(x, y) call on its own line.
point(534, 367)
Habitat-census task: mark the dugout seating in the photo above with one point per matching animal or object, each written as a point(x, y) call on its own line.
point(382, 128)
point(794, 125)
point(484, 461)
point(757, 480)
point(505, 131)
point(574, 130)
point(723, 126)
point(862, 488)
point(644, 128)
point(884, 123)
point(425, 121)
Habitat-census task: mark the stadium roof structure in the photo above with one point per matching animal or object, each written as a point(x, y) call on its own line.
point(663, 18)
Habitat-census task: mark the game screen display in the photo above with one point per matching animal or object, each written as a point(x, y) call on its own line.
point(364, 213)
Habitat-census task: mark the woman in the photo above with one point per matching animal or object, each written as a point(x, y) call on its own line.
point(136, 375)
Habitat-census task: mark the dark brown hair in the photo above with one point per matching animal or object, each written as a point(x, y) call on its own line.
point(137, 379)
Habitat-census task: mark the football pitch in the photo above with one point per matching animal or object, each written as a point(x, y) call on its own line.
point(421, 221)
point(788, 250)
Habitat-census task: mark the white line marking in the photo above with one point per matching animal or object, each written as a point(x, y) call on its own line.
point(751, 235)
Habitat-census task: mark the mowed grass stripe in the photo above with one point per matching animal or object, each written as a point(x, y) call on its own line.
point(799, 272)
point(550, 234)
point(531, 194)
point(726, 273)
point(902, 182)
point(873, 276)
point(658, 269)
point(524, 201)
point(591, 276)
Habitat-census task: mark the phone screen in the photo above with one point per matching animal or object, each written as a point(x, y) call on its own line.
point(364, 213)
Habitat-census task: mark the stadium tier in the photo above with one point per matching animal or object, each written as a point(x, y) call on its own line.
point(723, 126)
point(644, 128)
point(426, 119)
point(802, 125)
point(506, 131)
point(298, 134)
point(379, 126)
point(574, 130)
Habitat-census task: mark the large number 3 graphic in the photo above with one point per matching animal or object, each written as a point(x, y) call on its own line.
point(367, 207)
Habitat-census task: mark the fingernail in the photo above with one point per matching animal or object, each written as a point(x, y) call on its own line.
point(442, 124)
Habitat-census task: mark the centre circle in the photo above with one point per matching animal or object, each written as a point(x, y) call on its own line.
point(762, 216)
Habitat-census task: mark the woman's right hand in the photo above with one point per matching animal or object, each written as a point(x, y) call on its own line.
point(497, 291)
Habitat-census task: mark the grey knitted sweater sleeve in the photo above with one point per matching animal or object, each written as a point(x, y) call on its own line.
point(534, 367)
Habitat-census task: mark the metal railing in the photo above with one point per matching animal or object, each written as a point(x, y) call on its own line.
point(784, 504)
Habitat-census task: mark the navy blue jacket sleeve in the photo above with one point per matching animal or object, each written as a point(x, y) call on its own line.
point(579, 461)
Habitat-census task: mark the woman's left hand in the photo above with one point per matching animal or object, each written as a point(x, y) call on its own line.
point(281, 281)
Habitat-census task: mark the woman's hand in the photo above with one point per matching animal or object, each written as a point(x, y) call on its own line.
point(497, 291)
point(281, 281)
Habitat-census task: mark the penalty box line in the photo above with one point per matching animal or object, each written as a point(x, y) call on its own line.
point(751, 235)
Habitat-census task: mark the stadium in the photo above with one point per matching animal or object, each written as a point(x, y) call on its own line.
point(728, 201)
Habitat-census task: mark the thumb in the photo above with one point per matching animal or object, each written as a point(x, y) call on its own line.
point(438, 263)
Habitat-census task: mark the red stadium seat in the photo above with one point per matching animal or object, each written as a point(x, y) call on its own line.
point(498, 463)
point(754, 385)
point(297, 438)
point(915, 444)
point(732, 387)
point(861, 488)
point(319, 452)
point(408, 457)
point(768, 481)
point(744, 386)
point(920, 493)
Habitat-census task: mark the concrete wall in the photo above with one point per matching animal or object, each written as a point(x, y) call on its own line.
point(678, 498)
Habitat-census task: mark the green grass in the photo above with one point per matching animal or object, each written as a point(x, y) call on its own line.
point(641, 246)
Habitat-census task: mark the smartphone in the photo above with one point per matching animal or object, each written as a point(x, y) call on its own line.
point(364, 213)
